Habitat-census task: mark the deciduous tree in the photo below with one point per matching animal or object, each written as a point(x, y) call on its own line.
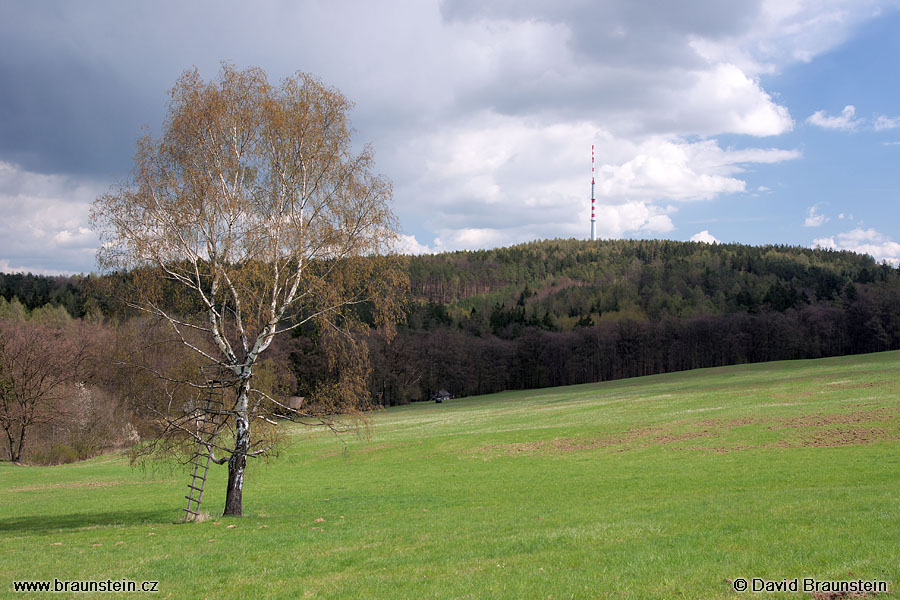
point(38, 367)
point(255, 205)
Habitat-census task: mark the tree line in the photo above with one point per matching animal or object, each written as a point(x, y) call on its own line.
point(563, 312)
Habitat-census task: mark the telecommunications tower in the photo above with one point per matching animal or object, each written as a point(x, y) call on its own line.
point(593, 201)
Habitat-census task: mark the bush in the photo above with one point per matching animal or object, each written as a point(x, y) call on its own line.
point(57, 454)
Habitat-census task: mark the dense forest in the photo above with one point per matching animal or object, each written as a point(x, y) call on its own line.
point(37, 291)
point(561, 312)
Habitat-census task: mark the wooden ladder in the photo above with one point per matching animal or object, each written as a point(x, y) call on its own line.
point(208, 423)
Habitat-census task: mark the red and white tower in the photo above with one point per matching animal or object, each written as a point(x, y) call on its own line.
point(593, 200)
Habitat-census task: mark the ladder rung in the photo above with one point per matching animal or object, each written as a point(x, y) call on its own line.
point(208, 421)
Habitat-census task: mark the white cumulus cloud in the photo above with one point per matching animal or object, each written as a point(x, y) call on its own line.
point(705, 237)
point(883, 123)
point(865, 241)
point(45, 227)
point(814, 218)
point(408, 244)
point(846, 121)
point(531, 177)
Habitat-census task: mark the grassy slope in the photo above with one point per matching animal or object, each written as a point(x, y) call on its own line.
point(660, 487)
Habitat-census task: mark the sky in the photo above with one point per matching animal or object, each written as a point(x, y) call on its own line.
point(749, 121)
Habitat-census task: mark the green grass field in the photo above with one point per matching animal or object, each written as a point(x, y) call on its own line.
point(661, 487)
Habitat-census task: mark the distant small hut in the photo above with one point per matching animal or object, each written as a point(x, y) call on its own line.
point(293, 405)
point(441, 395)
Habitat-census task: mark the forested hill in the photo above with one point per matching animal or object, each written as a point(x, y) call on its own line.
point(572, 279)
point(561, 312)
point(574, 282)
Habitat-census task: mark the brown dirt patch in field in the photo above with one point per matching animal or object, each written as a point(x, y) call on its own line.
point(831, 437)
point(744, 421)
point(847, 436)
point(852, 428)
point(738, 422)
point(848, 418)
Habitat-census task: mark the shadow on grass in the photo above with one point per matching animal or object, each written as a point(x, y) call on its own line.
point(44, 523)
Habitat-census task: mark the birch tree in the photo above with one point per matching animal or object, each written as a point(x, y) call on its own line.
point(254, 204)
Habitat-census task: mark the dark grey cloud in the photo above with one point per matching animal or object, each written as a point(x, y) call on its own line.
point(66, 115)
point(64, 105)
point(621, 58)
point(78, 80)
point(638, 32)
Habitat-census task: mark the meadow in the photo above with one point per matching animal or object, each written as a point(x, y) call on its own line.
point(669, 486)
